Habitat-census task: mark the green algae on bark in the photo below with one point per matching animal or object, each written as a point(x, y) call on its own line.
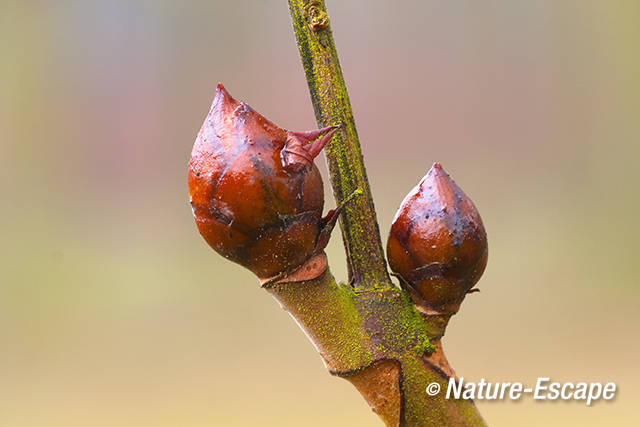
point(367, 264)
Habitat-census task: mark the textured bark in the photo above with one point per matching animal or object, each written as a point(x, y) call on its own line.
point(379, 384)
point(378, 341)
point(367, 265)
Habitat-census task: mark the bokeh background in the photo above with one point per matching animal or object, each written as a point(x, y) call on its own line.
point(114, 312)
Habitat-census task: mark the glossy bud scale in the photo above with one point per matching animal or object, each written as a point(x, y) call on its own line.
point(256, 195)
point(437, 243)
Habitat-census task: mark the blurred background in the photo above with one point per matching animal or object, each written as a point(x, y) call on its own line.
point(113, 310)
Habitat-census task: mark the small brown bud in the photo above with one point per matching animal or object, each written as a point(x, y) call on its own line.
point(437, 243)
point(256, 195)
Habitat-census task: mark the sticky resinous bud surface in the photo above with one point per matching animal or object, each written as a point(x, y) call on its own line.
point(256, 195)
point(437, 243)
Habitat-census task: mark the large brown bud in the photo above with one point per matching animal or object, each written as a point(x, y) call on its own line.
point(256, 195)
point(437, 243)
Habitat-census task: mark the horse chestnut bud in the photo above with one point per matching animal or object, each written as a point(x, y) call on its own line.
point(437, 243)
point(256, 195)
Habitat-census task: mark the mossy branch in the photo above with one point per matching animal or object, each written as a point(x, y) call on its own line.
point(361, 236)
point(378, 342)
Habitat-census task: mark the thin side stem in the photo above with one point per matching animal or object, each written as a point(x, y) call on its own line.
point(360, 232)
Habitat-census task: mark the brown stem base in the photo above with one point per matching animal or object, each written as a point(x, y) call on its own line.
point(378, 342)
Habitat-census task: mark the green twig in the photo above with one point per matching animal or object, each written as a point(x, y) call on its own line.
point(361, 236)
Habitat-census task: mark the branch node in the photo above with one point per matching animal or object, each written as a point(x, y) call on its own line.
point(317, 17)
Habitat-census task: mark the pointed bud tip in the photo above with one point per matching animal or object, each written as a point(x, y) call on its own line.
point(224, 98)
point(332, 130)
point(437, 168)
point(437, 172)
point(222, 91)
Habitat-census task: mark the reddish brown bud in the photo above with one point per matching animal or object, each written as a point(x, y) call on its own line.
point(256, 195)
point(437, 243)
